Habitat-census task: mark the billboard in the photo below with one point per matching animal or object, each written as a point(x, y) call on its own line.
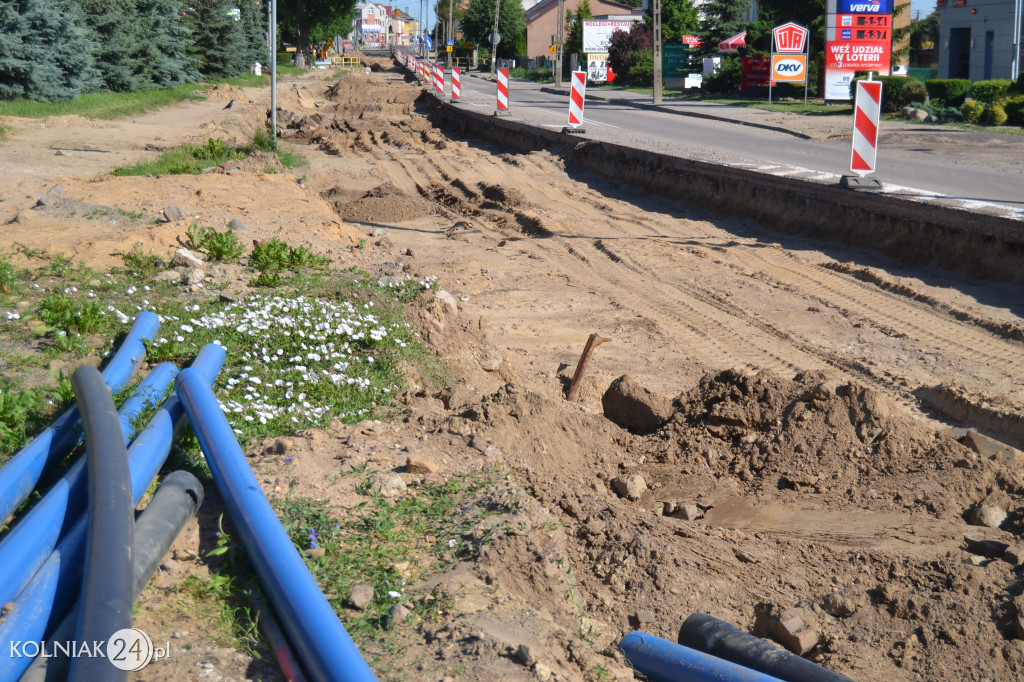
point(864, 7)
point(858, 37)
point(597, 33)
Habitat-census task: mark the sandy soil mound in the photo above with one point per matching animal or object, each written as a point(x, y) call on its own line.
point(258, 162)
point(223, 92)
point(384, 203)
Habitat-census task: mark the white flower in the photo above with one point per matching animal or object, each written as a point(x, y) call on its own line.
point(394, 595)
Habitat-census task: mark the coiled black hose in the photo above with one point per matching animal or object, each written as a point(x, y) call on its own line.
point(107, 580)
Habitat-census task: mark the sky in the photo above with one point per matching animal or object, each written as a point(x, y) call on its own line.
point(925, 8)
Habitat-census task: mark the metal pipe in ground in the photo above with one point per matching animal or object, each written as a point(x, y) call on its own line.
point(574, 386)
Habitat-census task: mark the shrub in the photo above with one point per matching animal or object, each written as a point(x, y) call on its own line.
point(897, 92)
point(1014, 108)
point(995, 115)
point(221, 246)
point(950, 91)
point(990, 91)
point(639, 70)
point(972, 111)
point(726, 78)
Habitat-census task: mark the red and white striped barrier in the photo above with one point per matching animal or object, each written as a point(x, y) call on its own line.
point(439, 78)
point(865, 127)
point(456, 84)
point(579, 89)
point(502, 91)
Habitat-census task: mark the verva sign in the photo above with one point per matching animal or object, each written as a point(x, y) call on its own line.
point(790, 37)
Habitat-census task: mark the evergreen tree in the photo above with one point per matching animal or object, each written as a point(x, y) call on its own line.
point(115, 29)
point(164, 59)
point(721, 19)
point(217, 37)
point(45, 54)
point(254, 30)
point(574, 32)
point(678, 18)
point(479, 22)
point(16, 57)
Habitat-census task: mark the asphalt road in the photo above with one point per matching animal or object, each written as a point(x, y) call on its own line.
point(950, 166)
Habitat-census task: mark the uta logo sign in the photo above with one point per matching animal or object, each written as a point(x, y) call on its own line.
point(790, 37)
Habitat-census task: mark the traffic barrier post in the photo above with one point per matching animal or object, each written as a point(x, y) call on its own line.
point(456, 85)
point(867, 112)
point(576, 96)
point(502, 109)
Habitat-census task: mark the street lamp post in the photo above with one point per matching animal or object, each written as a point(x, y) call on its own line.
point(559, 42)
point(657, 52)
point(495, 37)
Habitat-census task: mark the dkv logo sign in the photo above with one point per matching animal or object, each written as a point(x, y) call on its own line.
point(789, 68)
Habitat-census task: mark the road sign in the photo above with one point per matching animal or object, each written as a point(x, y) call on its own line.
point(448, 48)
point(576, 97)
point(865, 127)
point(430, 43)
point(450, 43)
point(553, 49)
point(494, 38)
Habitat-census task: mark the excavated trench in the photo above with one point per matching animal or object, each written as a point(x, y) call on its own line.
point(916, 234)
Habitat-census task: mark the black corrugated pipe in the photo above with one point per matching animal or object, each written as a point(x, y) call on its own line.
point(718, 638)
point(107, 579)
point(176, 501)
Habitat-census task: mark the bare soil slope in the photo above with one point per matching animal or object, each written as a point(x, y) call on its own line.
point(809, 463)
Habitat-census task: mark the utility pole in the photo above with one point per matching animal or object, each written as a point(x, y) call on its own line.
point(657, 51)
point(495, 38)
point(559, 43)
point(451, 29)
point(1018, 9)
point(272, 39)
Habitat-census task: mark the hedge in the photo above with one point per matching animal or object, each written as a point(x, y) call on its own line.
point(950, 91)
point(990, 91)
point(897, 92)
point(1014, 108)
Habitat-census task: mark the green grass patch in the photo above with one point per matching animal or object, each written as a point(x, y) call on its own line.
point(192, 159)
point(187, 159)
point(391, 544)
point(103, 105)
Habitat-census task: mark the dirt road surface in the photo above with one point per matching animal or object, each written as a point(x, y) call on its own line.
point(796, 407)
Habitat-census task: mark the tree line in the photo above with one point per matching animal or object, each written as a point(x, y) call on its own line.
point(54, 50)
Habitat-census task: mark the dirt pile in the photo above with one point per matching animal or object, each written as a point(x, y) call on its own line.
point(382, 204)
point(809, 495)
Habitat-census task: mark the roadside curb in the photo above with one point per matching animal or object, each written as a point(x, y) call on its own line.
point(692, 114)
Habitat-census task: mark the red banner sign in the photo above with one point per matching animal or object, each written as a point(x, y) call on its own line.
point(860, 56)
point(755, 72)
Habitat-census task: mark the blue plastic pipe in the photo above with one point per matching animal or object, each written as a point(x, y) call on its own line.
point(19, 476)
point(664, 661)
point(51, 592)
point(320, 639)
point(32, 539)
